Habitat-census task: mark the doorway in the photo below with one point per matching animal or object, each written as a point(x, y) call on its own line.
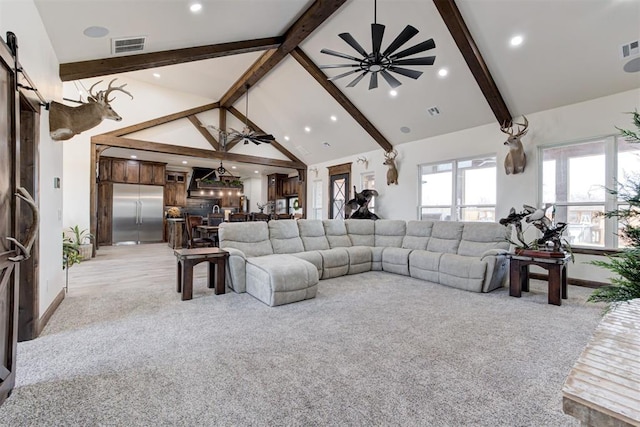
point(339, 184)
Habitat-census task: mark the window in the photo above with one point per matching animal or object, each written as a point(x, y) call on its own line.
point(574, 178)
point(459, 190)
point(368, 182)
point(317, 199)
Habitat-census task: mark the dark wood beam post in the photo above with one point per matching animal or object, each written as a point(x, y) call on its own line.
point(460, 33)
point(302, 191)
point(222, 125)
point(333, 90)
point(123, 64)
point(311, 19)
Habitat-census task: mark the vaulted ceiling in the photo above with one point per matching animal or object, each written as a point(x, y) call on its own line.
point(570, 53)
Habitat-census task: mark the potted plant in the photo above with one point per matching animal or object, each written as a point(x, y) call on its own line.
point(82, 240)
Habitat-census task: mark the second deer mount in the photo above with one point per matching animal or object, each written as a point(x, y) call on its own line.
point(223, 183)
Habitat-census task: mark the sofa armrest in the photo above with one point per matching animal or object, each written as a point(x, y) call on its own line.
point(236, 277)
point(494, 252)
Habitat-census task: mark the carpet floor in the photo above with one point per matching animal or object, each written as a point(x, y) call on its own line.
point(373, 349)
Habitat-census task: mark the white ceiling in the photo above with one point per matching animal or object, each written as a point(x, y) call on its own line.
point(570, 54)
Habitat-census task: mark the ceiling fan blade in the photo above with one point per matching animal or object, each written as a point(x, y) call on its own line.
point(406, 72)
point(420, 47)
point(425, 60)
point(322, 67)
point(353, 43)
point(373, 83)
point(357, 79)
point(377, 32)
point(393, 82)
point(406, 34)
point(339, 55)
point(339, 76)
point(264, 138)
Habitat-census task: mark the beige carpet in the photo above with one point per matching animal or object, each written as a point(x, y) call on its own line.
point(371, 349)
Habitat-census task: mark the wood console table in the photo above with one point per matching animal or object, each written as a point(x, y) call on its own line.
point(188, 258)
point(603, 388)
point(519, 275)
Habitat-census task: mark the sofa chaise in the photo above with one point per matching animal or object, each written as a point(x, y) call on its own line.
point(280, 262)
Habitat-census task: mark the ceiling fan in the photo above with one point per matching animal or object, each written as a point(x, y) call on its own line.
point(382, 62)
point(247, 135)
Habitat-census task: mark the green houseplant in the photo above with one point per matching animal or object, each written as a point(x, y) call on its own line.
point(625, 263)
point(82, 240)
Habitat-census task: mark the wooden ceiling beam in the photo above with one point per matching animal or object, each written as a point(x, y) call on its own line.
point(467, 46)
point(333, 90)
point(311, 19)
point(204, 132)
point(255, 127)
point(162, 120)
point(137, 144)
point(122, 64)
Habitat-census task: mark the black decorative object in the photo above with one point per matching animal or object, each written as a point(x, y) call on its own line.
point(551, 239)
point(382, 62)
point(360, 204)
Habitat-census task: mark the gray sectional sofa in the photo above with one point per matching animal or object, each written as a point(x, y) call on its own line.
point(281, 262)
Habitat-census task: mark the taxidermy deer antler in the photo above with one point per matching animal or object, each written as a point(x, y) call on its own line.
point(25, 248)
point(392, 172)
point(516, 160)
point(66, 122)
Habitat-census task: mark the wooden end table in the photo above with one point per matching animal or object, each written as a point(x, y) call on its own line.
point(519, 275)
point(188, 258)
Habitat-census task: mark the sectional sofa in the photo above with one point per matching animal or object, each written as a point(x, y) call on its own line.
point(281, 262)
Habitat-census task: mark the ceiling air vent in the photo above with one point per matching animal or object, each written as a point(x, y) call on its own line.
point(630, 49)
point(433, 111)
point(128, 45)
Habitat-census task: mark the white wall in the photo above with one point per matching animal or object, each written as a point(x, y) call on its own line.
point(39, 61)
point(573, 122)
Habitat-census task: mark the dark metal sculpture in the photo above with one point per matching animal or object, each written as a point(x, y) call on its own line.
point(551, 231)
point(360, 204)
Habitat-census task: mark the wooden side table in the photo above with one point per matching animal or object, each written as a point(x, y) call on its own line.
point(188, 258)
point(519, 275)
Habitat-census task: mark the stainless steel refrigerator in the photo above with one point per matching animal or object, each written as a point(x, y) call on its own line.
point(137, 213)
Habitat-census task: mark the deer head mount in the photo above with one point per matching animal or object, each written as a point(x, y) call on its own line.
point(24, 249)
point(516, 160)
point(364, 161)
point(65, 122)
point(392, 172)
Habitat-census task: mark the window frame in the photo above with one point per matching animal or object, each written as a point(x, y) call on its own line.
point(318, 185)
point(455, 209)
point(372, 203)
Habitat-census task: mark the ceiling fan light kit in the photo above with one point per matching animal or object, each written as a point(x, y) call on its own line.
point(385, 62)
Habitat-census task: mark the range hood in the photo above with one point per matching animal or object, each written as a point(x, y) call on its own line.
point(194, 191)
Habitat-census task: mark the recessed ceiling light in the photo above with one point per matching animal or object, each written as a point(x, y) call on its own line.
point(326, 144)
point(134, 157)
point(95, 32)
point(334, 118)
point(234, 167)
point(307, 129)
point(156, 75)
point(516, 41)
point(195, 7)
point(442, 72)
point(405, 129)
point(184, 162)
point(286, 138)
point(256, 172)
point(393, 93)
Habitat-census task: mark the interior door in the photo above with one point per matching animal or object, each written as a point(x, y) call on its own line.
point(339, 195)
point(9, 176)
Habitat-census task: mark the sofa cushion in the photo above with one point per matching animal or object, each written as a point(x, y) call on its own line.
point(445, 237)
point(396, 260)
point(281, 279)
point(376, 258)
point(360, 231)
point(313, 257)
point(335, 262)
point(359, 259)
point(425, 265)
point(462, 272)
point(252, 238)
point(418, 234)
point(390, 232)
point(336, 233)
point(285, 237)
point(479, 237)
point(312, 234)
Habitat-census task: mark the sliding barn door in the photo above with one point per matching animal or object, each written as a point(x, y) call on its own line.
point(9, 176)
